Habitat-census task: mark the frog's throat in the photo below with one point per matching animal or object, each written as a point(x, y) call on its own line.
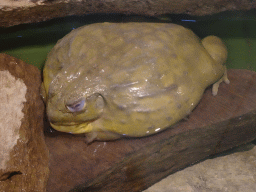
point(75, 129)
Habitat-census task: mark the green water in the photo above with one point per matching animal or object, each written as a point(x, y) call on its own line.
point(32, 42)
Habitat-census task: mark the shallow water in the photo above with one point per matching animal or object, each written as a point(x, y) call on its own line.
point(32, 42)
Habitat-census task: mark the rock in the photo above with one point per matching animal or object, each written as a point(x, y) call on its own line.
point(29, 11)
point(234, 172)
point(23, 152)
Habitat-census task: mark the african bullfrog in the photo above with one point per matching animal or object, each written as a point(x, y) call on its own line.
point(109, 80)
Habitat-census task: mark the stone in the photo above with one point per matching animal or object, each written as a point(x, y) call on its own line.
point(235, 171)
point(30, 11)
point(24, 156)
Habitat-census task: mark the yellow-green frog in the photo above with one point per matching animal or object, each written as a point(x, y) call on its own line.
point(109, 80)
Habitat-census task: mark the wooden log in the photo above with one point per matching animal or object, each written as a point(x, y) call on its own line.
point(218, 123)
point(23, 153)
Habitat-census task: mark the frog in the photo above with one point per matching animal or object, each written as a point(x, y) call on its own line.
point(115, 80)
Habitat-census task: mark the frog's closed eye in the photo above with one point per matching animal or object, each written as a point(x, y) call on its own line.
point(77, 106)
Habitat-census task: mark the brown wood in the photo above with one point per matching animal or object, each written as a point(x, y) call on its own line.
point(218, 123)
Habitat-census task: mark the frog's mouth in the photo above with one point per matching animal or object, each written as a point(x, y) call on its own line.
point(73, 128)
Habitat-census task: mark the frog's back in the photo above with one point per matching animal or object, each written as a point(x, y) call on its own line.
point(151, 72)
point(121, 45)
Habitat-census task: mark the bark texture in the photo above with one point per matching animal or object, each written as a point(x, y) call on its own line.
point(24, 156)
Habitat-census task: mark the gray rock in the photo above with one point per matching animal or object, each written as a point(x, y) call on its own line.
point(234, 172)
point(14, 12)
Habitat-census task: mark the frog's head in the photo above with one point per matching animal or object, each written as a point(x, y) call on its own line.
point(72, 103)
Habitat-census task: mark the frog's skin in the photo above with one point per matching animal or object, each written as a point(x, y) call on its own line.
point(109, 80)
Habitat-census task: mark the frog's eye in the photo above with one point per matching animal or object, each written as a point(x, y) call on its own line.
point(76, 106)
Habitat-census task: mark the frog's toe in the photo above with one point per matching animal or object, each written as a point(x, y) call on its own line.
point(101, 136)
point(90, 137)
point(215, 86)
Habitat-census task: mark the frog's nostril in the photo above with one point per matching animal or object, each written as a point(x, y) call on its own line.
point(76, 106)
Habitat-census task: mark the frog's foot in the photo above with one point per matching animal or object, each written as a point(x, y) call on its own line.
point(215, 86)
point(90, 137)
point(101, 136)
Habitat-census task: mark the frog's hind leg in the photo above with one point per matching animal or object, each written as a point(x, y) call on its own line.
point(216, 48)
point(218, 51)
point(215, 86)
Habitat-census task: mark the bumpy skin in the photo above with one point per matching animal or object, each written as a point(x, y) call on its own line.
point(129, 79)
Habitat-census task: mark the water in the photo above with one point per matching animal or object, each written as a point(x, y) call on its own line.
point(32, 42)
